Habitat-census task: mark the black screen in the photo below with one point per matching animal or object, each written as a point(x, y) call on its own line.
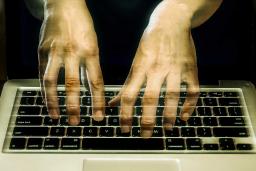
point(225, 44)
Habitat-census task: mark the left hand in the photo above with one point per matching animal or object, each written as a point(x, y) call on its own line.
point(166, 54)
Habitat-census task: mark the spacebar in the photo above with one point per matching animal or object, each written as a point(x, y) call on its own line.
point(122, 144)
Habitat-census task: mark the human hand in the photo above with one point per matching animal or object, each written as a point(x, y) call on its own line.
point(166, 54)
point(68, 39)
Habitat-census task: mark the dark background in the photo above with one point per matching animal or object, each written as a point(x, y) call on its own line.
point(225, 43)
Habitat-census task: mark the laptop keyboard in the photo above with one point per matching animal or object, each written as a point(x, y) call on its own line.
point(218, 124)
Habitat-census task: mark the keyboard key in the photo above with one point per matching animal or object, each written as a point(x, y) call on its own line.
point(136, 131)
point(194, 144)
point(17, 143)
point(199, 102)
point(51, 143)
point(157, 132)
point(204, 132)
point(64, 121)
point(29, 93)
point(85, 120)
point(203, 94)
point(111, 110)
point(44, 111)
point(229, 102)
point(29, 120)
point(230, 132)
point(219, 111)
point(174, 132)
point(204, 111)
point(70, 143)
point(86, 101)
point(244, 146)
point(109, 93)
point(57, 131)
point(180, 122)
point(106, 131)
point(235, 111)
point(188, 132)
point(90, 131)
point(210, 121)
point(194, 121)
point(227, 144)
point(74, 131)
point(30, 131)
point(113, 121)
point(63, 111)
point(40, 101)
point(61, 93)
point(27, 100)
point(122, 144)
point(175, 144)
point(215, 94)
point(50, 122)
point(159, 111)
point(61, 101)
point(231, 94)
point(83, 110)
point(120, 134)
point(29, 110)
point(99, 123)
point(34, 143)
point(138, 110)
point(231, 121)
point(210, 101)
point(211, 146)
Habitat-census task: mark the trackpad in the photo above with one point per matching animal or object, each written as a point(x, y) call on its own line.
point(129, 164)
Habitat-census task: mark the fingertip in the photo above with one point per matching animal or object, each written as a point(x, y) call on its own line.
point(168, 126)
point(125, 129)
point(54, 113)
point(98, 115)
point(74, 120)
point(185, 116)
point(146, 134)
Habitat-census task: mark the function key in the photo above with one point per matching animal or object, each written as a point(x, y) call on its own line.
point(203, 94)
point(215, 94)
point(109, 93)
point(231, 94)
point(17, 143)
point(61, 93)
point(29, 93)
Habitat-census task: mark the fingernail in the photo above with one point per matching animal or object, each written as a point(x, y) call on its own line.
point(74, 120)
point(168, 126)
point(146, 134)
point(125, 129)
point(185, 116)
point(98, 115)
point(54, 114)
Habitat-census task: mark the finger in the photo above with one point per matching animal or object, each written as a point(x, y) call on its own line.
point(50, 85)
point(171, 99)
point(191, 99)
point(96, 84)
point(150, 103)
point(128, 97)
point(72, 84)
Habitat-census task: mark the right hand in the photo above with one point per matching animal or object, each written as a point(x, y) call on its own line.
point(68, 39)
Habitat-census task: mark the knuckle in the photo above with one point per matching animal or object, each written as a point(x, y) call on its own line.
point(128, 98)
point(148, 122)
point(97, 84)
point(91, 50)
point(69, 46)
point(150, 97)
point(172, 94)
point(49, 80)
point(72, 84)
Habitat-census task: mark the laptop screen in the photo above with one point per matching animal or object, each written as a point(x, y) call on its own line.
point(224, 44)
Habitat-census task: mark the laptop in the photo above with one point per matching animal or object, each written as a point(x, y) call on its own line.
point(220, 135)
